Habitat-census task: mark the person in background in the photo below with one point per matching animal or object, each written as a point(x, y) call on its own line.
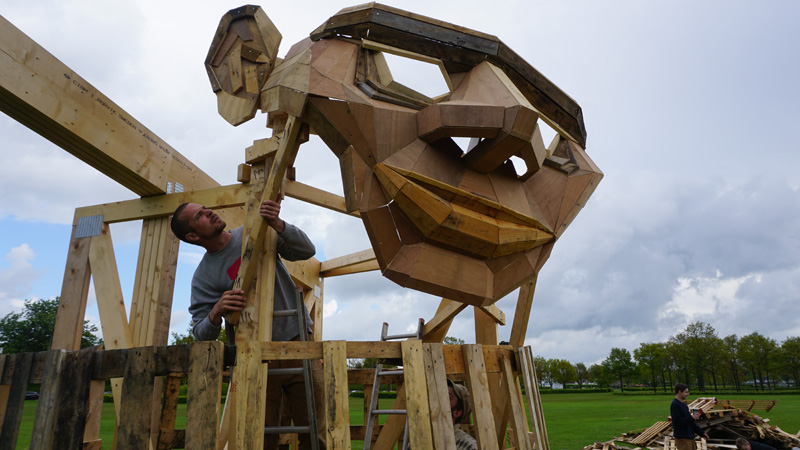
point(460, 409)
point(684, 426)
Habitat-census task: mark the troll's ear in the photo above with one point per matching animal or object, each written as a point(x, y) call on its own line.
point(241, 57)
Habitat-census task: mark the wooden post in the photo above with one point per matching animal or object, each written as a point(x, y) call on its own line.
point(485, 431)
point(519, 424)
point(74, 292)
point(417, 408)
point(250, 390)
point(133, 430)
point(337, 408)
point(528, 371)
point(439, 398)
point(73, 395)
point(522, 314)
point(203, 395)
point(110, 303)
point(45, 420)
point(16, 401)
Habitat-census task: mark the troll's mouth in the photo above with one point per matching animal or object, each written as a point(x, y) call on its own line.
point(458, 219)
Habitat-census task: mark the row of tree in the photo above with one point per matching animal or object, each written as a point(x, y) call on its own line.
point(697, 356)
point(31, 330)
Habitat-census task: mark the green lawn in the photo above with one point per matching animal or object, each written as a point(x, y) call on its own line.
point(573, 420)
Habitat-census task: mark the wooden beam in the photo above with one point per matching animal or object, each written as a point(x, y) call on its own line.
point(352, 259)
point(68, 329)
point(42, 93)
point(366, 266)
point(436, 328)
point(110, 303)
point(256, 227)
point(217, 198)
point(523, 313)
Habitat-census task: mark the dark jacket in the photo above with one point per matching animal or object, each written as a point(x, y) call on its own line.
point(683, 424)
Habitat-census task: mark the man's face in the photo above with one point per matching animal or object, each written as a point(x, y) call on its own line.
point(205, 224)
point(683, 394)
point(456, 413)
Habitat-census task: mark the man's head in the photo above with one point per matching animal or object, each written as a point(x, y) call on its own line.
point(681, 391)
point(459, 402)
point(195, 224)
point(742, 444)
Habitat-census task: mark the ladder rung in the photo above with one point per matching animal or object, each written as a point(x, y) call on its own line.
point(285, 313)
point(287, 371)
point(390, 372)
point(400, 336)
point(388, 411)
point(276, 430)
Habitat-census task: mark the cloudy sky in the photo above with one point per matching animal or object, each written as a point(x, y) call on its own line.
point(691, 110)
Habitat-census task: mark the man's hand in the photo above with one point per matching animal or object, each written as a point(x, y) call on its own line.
point(230, 301)
point(270, 211)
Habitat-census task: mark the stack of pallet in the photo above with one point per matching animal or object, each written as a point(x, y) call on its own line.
point(724, 421)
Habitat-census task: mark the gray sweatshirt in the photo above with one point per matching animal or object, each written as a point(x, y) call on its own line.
point(217, 271)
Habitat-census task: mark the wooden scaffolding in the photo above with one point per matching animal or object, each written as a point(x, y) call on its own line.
point(465, 227)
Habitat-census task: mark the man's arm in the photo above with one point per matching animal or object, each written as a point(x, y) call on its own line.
point(294, 244)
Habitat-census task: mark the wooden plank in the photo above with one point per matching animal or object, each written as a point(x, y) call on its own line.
point(250, 385)
point(436, 329)
point(94, 410)
point(528, 371)
point(73, 392)
point(257, 312)
point(43, 94)
point(133, 430)
point(486, 330)
point(337, 409)
point(68, 329)
point(16, 401)
point(485, 432)
point(347, 260)
point(47, 408)
point(110, 303)
point(217, 198)
point(417, 408)
point(519, 423)
point(169, 412)
point(4, 388)
point(438, 397)
point(203, 395)
point(522, 313)
point(225, 422)
point(366, 266)
point(256, 226)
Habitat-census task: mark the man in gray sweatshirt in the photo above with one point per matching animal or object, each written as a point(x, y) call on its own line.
point(213, 297)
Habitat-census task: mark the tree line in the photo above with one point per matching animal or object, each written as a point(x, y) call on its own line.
point(696, 356)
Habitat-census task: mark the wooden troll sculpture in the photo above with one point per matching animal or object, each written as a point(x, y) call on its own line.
point(460, 225)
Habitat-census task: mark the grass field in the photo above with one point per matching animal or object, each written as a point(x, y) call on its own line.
point(573, 420)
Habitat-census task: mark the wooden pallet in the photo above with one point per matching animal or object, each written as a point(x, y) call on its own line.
point(67, 379)
point(652, 433)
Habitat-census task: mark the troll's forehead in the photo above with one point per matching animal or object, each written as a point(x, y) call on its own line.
point(462, 224)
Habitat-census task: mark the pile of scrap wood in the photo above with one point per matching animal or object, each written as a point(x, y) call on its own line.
point(723, 421)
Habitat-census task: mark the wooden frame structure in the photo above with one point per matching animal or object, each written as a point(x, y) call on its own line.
point(465, 227)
